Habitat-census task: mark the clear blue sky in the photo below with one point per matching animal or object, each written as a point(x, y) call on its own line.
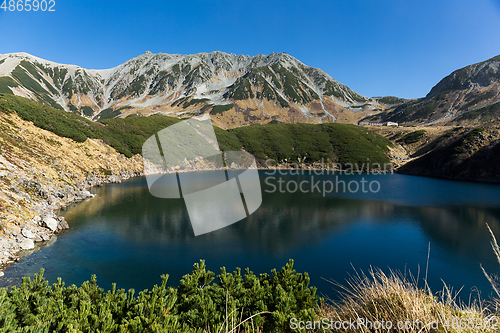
point(376, 47)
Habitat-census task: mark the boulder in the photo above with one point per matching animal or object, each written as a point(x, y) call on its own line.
point(62, 225)
point(27, 244)
point(50, 223)
point(27, 233)
point(87, 194)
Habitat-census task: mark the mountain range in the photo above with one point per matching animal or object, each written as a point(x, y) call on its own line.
point(239, 90)
point(236, 89)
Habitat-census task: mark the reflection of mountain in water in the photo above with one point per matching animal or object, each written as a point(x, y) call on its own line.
point(284, 221)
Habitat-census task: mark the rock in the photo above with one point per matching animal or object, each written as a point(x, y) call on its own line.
point(63, 225)
point(1, 274)
point(27, 233)
point(27, 244)
point(114, 179)
point(50, 223)
point(87, 194)
point(38, 239)
point(45, 237)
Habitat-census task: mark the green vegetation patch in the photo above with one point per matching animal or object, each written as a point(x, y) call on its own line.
point(413, 110)
point(240, 90)
point(339, 143)
point(472, 134)
point(87, 111)
point(291, 85)
point(266, 72)
point(203, 302)
point(136, 88)
point(125, 135)
point(109, 113)
point(391, 100)
point(413, 137)
point(482, 97)
point(485, 113)
point(27, 81)
point(219, 109)
point(6, 83)
point(468, 138)
point(194, 102)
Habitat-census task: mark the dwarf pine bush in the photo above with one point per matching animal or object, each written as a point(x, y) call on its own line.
point(199, 304)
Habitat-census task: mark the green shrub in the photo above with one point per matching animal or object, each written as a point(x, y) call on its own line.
point(194, 102)
point(6, 83)
point(390, 100)
point(219, 109)
point(413, 137)
point(197, 304)
point(338, 143)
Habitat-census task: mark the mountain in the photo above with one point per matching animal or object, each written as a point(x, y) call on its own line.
point(467, 96)
point(235, 89)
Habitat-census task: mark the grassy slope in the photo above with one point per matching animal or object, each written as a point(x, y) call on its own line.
point(337, 142)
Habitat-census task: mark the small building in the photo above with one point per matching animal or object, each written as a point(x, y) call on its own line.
point(369, 123)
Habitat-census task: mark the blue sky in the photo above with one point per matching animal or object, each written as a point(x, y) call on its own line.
point(376, 47)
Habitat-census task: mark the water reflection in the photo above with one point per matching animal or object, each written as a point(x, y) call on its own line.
point(284, 222)
point(127, 236)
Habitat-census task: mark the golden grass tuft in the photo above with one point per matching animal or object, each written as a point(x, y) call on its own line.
point(396, 300)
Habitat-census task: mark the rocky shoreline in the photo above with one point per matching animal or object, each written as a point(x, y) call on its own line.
point(32, 234)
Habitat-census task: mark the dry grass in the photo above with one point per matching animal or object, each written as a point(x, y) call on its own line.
point(397, 301)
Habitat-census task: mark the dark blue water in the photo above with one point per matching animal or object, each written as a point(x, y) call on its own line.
point(127, 236)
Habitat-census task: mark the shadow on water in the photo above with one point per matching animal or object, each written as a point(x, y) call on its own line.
point(129, 237)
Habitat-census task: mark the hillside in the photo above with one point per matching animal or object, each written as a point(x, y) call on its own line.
point(340, 143)
point(236, 89)
point(471, 154)
point(452, 152)
point(468, 96)
point(41, 172)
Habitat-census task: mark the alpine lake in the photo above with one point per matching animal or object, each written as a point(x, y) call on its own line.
point(415, 225)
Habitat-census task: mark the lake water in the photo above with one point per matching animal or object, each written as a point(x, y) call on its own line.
point(127, 236)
